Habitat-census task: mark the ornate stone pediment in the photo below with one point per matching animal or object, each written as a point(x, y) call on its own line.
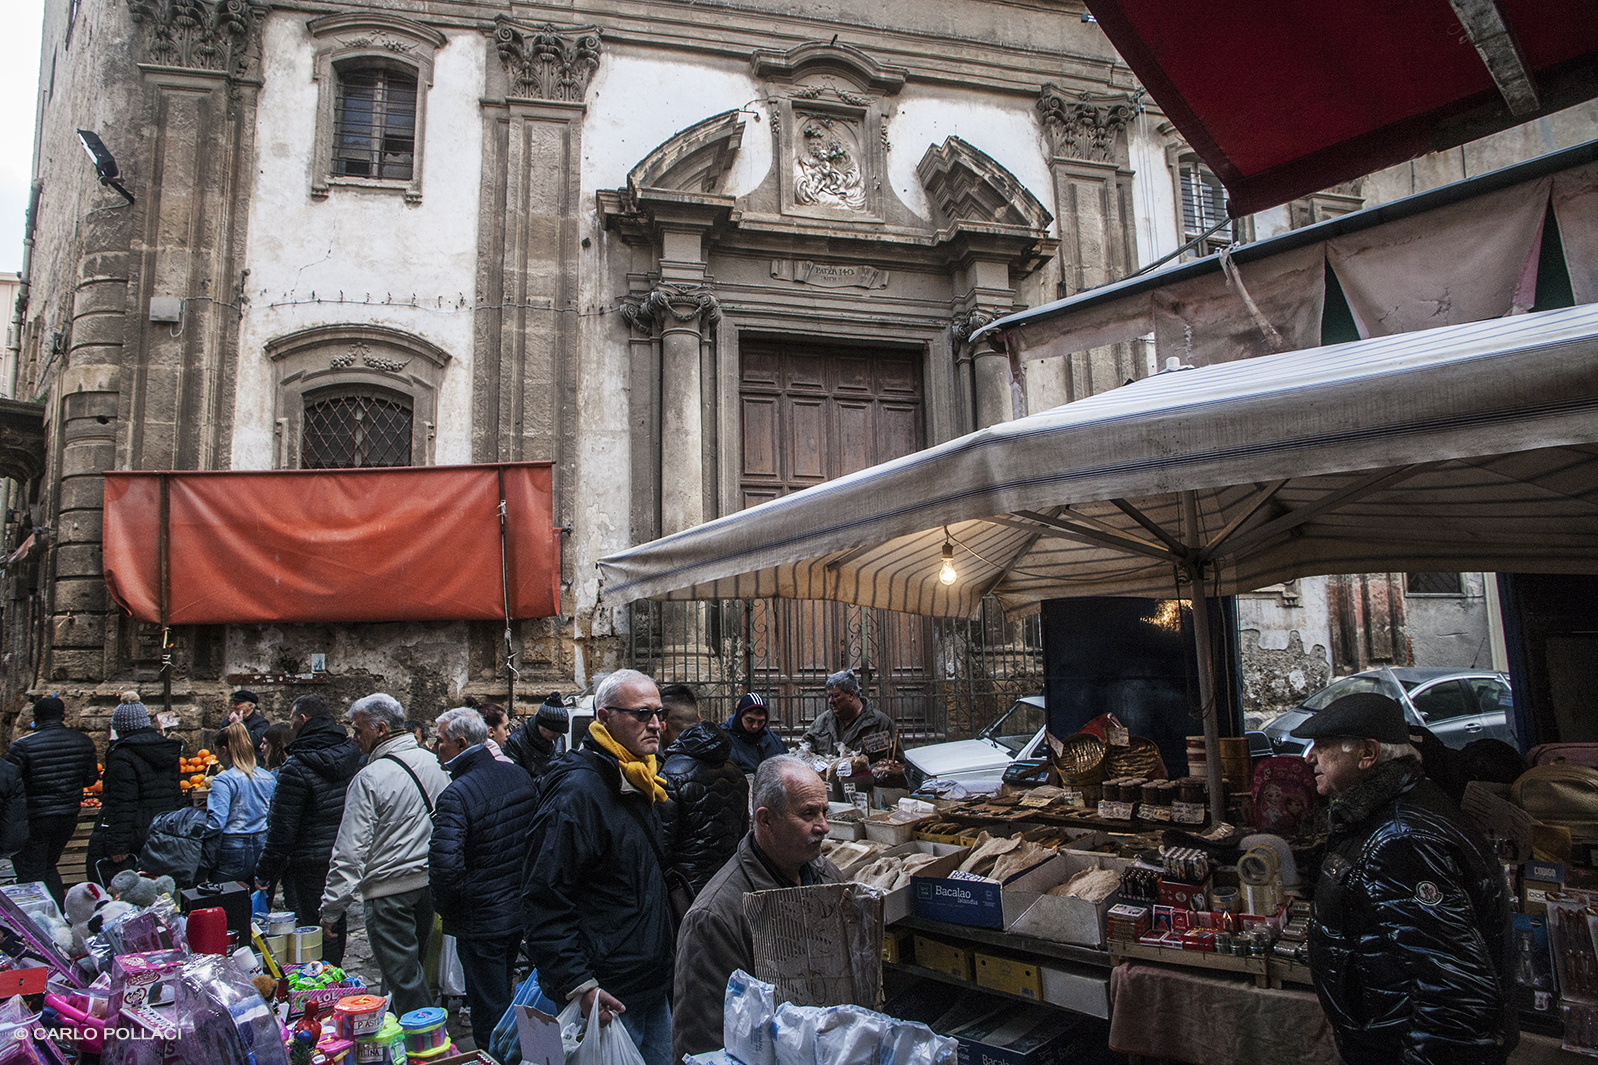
point(215, 35)
point(547, 63)
point(695, 159)
point(1086, 125)
point(815, 69)
point(967, 185)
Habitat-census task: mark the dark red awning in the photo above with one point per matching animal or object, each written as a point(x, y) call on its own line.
point(1286, 97)
point(407, 544)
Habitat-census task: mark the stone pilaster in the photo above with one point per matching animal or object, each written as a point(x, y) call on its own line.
point(1088, 161)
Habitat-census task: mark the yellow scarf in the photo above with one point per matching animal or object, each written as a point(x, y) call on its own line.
point(640, 772)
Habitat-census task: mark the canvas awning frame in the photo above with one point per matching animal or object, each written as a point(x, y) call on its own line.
point(1123, 310)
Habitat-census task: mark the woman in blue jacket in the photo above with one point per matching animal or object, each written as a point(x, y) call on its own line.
point(240, 796)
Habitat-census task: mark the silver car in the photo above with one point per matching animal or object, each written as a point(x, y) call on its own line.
point(1457, 705)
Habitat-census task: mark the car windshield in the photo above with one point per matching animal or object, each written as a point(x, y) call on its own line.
point(1381, 683)
point(1016, 728)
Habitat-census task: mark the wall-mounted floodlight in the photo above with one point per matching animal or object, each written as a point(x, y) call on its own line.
point(105, 164)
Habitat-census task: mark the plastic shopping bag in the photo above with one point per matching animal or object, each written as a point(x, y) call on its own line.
point(451, 977)
point(506, 1044)
point(607, 1045)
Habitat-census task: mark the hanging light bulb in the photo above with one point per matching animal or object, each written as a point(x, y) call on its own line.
point(947, 574)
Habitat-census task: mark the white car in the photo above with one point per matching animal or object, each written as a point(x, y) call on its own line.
point(1017, 734)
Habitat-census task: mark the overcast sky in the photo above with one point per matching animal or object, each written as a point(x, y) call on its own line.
point(19, 88)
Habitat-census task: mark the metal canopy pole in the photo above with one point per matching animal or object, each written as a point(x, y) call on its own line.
point(164, 549)
point(1196, 571)
point(504, 586)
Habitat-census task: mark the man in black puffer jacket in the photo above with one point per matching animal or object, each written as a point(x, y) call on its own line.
point(306, 810)
point(141, 781)
point(474, 862)
point(599, 923)
point(707, 810)
point(57, 763)
point(1409, 949)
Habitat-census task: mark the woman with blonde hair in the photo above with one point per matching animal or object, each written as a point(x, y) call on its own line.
point(240, 797)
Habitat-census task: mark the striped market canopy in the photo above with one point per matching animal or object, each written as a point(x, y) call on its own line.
point(1470, 447)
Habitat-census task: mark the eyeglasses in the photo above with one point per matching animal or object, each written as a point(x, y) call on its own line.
point(640, 714)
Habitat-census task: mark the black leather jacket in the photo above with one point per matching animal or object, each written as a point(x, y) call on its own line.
point(1410, 944)
point(707, 811)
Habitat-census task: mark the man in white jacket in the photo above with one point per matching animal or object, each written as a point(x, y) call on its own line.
point(382, 845)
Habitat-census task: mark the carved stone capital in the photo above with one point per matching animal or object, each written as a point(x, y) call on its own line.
point(546, 64)
point(962, 325)
point(1085, 125)
point(214, 35)
point(667, 303)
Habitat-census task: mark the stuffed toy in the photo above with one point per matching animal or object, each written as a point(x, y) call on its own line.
point(90, 909)
point(141, 891)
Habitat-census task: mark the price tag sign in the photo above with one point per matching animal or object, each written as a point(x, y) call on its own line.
point(1117, 736)
point(845, 767)
point(1032, 798)
point(876, 743)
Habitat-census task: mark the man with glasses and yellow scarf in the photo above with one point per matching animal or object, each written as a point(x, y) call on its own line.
point(599, 920)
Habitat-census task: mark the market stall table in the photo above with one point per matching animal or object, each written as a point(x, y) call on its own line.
point(1163, 1012)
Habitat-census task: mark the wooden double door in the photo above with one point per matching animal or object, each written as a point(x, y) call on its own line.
point(811, 412)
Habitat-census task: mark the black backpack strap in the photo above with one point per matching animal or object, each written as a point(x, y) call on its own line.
point(414, 779)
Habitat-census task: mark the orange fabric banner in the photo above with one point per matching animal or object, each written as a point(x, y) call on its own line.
point(416, 543)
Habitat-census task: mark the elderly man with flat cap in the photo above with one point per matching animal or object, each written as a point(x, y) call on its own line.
point(1409, 947)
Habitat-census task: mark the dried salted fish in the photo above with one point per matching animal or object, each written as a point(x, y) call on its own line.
point(1023, 857)
point(986, 853)
point(1090, 885)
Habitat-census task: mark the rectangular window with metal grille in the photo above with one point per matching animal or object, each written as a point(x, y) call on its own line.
point(374, 133)
point(1433, 584)
point(1203, 207)
point(350, 431)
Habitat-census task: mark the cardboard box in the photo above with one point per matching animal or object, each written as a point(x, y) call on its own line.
point(1008, 975)
point(1029, 910)
point(1084, 991)
point(1184, 896)
point(895, 946)
point(1025, 1035)
point(958, 898)
point(944, 958)
point(325, 997)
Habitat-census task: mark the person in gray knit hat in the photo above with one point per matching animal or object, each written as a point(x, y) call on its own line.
point(141, 781)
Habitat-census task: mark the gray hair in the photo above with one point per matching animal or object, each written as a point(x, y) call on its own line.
point(379, 708)
point(844, 680)
point(462, 723)
point(615, 682)
point(770, 791)
point(1385, 752)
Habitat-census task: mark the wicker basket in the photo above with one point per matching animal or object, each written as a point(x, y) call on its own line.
point(1138, 760)
point(1078, 759)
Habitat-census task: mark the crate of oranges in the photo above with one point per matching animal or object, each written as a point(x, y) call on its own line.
point(195, 771)
point(91, 794)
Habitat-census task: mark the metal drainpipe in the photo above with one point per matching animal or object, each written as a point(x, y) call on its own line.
point(14, 344)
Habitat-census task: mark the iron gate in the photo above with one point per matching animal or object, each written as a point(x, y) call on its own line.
point(937, 678)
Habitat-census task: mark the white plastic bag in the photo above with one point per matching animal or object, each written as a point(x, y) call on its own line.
point(451, 977)
point(794, 1033)
point(601, 1045)
point(747, 1010)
